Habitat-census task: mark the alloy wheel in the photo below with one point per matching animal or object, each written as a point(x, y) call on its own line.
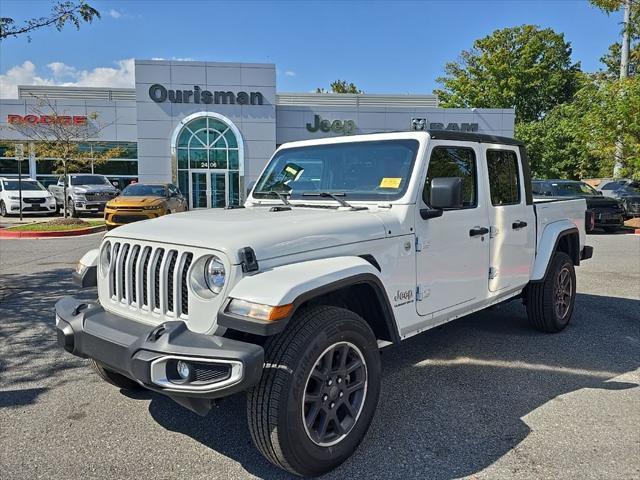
point(334, 394)
point(563, 292)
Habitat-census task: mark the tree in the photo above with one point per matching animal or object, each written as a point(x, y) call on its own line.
point(64, 138)
point(341, 86)
point(62, 13)
point(611, 60)
point(522, 67)
point(579, 139)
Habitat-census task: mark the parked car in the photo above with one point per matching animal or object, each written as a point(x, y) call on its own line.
point(86, 193)
point(35, 198)
point(625, 190)
point(142, 201)
point(291, 297)
point(607, 213)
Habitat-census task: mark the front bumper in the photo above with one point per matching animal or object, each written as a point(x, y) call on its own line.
point(144, 352)
point(114, 217)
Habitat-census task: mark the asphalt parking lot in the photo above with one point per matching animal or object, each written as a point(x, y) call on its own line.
point(483, 397)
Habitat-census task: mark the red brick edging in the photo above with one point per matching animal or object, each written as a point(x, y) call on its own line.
point(5, 233)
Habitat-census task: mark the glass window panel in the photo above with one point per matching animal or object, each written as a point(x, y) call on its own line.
point(217, 125)
point(220, 143)
point(234, 162)
point(183, 182)
point(117, 167)
point(453, 162)
point(183, 158)
point(217, 159)
point(231, 139)
point(197, 124)
point(504, 181)
point(183, 138)
point(47, 180)
point(218, 190)
point(9, 166)
point(234, 188)
point(198, 158)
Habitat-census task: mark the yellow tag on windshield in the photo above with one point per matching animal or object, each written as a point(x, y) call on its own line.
point(390, 182)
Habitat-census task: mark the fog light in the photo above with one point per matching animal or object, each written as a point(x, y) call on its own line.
point(184, 369)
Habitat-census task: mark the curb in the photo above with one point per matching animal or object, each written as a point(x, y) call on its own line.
point(4, 233)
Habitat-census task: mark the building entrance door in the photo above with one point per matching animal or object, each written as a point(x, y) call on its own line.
point(208, 188)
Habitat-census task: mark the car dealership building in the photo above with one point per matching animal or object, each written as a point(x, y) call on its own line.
point(211, 127)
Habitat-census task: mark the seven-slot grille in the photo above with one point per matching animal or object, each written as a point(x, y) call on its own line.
point(150, 278)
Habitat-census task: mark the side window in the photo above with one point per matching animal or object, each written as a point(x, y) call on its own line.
point(454, 162)
point(537, 188)
point(504, 180)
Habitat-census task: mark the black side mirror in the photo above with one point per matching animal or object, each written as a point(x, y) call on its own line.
point(445, 193)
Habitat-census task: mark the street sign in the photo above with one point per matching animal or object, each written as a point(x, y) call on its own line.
point(19, 157)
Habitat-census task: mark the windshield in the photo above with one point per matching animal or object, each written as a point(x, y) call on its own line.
point(631, 188)
point(89, 180)
point(26, 185)
point(377, 170)
point(141, 190)
point(573, 189)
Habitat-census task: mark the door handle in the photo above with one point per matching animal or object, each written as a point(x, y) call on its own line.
point(519, 224)
point(478, 231)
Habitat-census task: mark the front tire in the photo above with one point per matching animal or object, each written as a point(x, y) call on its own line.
point(114, 378)
point(318, 392)
point(3, 209)
point(550, 303)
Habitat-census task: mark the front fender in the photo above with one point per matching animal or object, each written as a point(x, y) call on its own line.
point(294, 284)
point(548, 243)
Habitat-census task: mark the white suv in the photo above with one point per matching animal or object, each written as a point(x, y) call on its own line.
point(35, 198)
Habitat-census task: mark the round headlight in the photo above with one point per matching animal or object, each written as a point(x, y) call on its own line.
point(105, 257)
point(214, 274)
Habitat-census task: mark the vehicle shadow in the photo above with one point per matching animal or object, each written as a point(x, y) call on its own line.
point(453, 398)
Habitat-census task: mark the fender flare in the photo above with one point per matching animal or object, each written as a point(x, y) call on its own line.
point(298, 283)
point(548, 244)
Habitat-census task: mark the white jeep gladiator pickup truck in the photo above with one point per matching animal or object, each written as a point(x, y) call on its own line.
point(344, 246)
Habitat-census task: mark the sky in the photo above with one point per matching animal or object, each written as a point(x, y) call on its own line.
point(381, 46)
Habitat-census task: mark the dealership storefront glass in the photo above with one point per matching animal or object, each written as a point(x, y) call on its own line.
point(209, 152)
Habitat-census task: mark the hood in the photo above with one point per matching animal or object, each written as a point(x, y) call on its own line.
point(270, 234)
point(96, 188)
point(601, 202)
point(136, 201)
point(30, 193)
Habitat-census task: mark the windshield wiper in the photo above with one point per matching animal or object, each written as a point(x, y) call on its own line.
point(281, 196)
point(335, 196)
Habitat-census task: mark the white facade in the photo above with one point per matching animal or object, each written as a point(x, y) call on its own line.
point(211, 127)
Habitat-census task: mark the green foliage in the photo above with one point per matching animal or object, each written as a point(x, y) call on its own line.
point(62, 13)
point(522, 67)
point(611, 60)
point(341, 86)
point(578, 139)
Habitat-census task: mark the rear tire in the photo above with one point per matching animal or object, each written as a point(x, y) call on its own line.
point(318, 392)
point(550, 302)
point(114, 378)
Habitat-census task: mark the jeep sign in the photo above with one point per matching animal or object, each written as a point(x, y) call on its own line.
point(346, 127)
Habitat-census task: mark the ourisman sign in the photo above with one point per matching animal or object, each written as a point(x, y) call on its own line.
point(159, 94)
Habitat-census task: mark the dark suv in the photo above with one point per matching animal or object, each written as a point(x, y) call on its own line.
point(607, 213)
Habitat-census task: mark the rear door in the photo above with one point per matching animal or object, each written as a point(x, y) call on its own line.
point(452, 252)
point(512, 221)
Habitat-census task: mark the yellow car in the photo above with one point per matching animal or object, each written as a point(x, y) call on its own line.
point(141, 201)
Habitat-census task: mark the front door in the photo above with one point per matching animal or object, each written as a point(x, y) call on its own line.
point(208, 189)
point(512, 221)
point(453, 261)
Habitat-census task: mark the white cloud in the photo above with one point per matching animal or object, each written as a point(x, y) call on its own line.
point(113, 13)
point(290, 73)
point(120, 76)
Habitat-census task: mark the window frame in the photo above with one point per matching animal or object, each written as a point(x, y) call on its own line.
point(518, 172)
point(475, 177)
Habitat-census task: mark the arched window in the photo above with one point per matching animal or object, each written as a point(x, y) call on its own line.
point(209, 156)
